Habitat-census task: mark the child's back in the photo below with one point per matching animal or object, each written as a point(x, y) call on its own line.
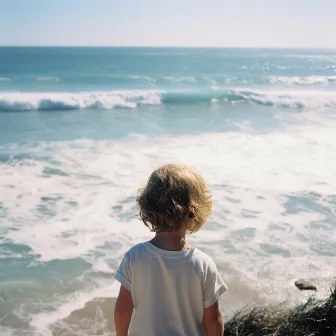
point(173, 288)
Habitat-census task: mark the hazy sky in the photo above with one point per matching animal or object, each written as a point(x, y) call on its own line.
point(278, 23)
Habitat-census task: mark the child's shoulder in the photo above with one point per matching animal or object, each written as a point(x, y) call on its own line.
point(136, 250)
point(204, 260)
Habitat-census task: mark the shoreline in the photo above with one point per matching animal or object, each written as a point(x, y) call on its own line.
point(314, 317)
point(95, 318)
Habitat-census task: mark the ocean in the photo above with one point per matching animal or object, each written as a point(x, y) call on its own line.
point(81, 129)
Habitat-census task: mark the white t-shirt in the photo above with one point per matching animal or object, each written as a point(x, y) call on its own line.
point(170, 289)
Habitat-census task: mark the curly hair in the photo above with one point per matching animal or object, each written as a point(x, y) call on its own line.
point(175, 197)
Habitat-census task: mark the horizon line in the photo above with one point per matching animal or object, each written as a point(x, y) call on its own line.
point(165, 46)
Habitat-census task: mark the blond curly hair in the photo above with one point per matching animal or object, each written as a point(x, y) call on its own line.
point(175, 198)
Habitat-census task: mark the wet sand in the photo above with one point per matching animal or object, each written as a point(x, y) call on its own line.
point(96, 318)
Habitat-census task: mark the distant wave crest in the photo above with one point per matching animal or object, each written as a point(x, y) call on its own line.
point(53, 79)
point(48, 101)
point(308, 80)
point(186, 81)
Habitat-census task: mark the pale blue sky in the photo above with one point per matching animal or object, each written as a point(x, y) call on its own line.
point(264, 23)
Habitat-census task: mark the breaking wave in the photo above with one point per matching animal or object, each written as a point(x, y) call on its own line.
point(52, 101)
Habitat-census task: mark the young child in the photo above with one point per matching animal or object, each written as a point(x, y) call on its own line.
point(172, 287)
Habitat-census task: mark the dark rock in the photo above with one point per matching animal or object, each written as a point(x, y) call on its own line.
point(305, 285)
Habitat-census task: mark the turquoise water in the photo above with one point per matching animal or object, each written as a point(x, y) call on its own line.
point(82, 128)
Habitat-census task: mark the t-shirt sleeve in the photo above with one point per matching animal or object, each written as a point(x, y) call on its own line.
point(124, 273)
point(214, 286)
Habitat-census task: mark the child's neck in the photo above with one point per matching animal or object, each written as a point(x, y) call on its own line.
point(171, 241)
